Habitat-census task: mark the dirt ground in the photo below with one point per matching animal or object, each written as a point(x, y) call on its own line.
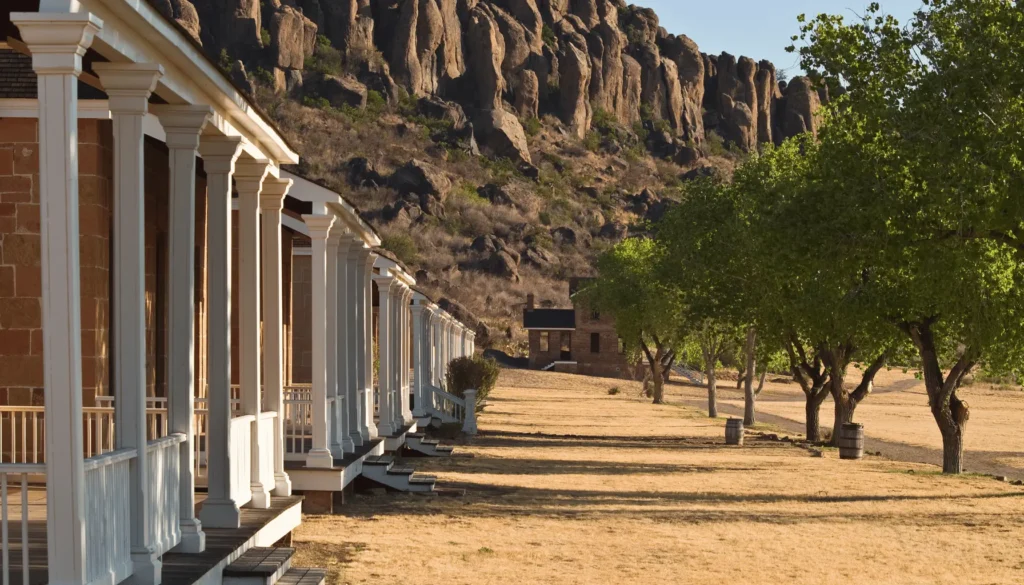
point(896, 418)
point(567, 484)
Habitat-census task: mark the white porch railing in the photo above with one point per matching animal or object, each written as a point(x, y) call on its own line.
point(265, 430)
point(14, 543)
point(298, 421)
point(240, 447)
point(449, 407)
point(164, 481)
point(107, 520)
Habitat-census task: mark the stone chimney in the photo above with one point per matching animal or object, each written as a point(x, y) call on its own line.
point(531, 302)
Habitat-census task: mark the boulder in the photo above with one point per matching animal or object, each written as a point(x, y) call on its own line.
point(485, 46)
point(500, 134)
point(574, 86)
point(496, 194)
point(293, 37)
point(690, 70)
point(800, 108)
point(401, 213)
point(615, 231)
point(767, 89)
point(362, 174)
point(342, 91)
point(437, 108)
point(487, 244)
point(183, 13)
point(502, 263)
point(517, 45)
point(241, 78)
point(632, 90)
point(539, 257)
point(420, 178)
point(700, 172)
point(565, 236)
point(606, 45)
point(586, 11)
point(739, 125)
point(432, 205)
point(527, 94)
point(737, 100)
point(553, 10)
point(527, 13)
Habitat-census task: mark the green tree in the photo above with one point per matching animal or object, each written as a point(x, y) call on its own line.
point(927, 154)
point(646, 311)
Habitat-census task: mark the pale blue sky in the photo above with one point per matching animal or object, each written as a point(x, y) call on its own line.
point(760, 29)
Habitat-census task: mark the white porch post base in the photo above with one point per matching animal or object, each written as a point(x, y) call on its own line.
point(282, 485)
point(320, 458)
point(193, 539)
point(146, 567)
point(260, 496)
point(372, 432)
point(220, 514)
point(356, 434)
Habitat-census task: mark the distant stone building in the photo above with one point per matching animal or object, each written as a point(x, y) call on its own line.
point(577, 340)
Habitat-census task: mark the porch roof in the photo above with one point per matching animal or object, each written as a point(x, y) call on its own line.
point(549, 319)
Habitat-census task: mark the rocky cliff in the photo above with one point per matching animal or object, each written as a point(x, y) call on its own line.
point(564, 57)
point(499, 144)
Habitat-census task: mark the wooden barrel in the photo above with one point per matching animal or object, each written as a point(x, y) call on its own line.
point(734, 431)
point(851, 441)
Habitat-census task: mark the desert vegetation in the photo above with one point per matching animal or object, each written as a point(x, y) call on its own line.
point(892, 237)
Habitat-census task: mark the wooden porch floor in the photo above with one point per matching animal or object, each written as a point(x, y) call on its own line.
point(178, 568)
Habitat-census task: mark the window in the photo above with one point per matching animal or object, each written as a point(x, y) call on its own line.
point(595, 343)
point(622, 346)
point(543, 341)
point(595, 316)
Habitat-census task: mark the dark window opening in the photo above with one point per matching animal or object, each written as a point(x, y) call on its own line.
point(566, 346)
point(595, 343)
point(595, 315)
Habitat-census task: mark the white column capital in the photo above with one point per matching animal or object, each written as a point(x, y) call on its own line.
point(249, 176)
point(57, 41)
point(384, 284)
point(319, 226)
point(128, 85)
point(182, 123)
point(220, 153)
point(273, 193)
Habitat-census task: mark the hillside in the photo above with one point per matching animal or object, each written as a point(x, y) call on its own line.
point(500, 145)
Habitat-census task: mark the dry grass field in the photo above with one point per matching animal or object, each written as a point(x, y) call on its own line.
point(570, 485)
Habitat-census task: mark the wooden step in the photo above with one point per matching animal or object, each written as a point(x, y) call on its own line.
point(379, 460)
point(403, 470)
point(259, 566)
point(299, 576)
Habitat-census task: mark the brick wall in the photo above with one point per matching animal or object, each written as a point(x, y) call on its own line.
point(302, 319)
point(21, 344)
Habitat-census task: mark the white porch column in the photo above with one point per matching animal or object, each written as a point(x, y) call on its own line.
point(249, 176)
point(182, 125)
point(271, 204)
point(438, 328)
point(334, 440)
point(407, 353)
point(364, 267)
point(385, 350)
point(57, 43)
point(344, 349)
point(219, 156)
point(420, 353)
point(319, 231)
point(353, 340)
point(332, 339)
point(128, 87)
point(398, 354)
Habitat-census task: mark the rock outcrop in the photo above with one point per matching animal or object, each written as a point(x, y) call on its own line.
point(569, 58)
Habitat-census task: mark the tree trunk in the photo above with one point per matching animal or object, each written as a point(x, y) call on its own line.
point(750, 399)
point(658, 380)
point(953, 450)
point(760, 383)
point(843, 414)
point(710, 359)
point(712, 394)
point(812, 410)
